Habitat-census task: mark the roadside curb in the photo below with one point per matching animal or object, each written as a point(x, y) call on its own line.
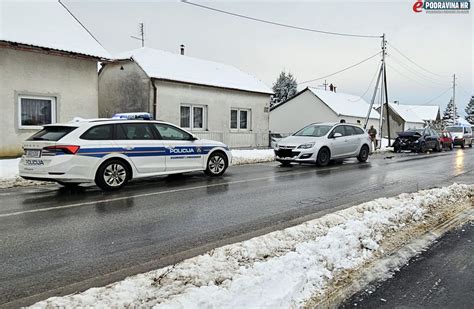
point(392, 260)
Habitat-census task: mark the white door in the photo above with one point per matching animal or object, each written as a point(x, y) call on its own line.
point(183, 152)
point(139, 142)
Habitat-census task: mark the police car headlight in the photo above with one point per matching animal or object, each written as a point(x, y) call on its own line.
point(306, 146)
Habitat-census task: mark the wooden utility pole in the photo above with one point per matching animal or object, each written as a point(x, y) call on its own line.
point(373, 97)
point(382, 80)
point(387, 108)
point(142, 35)
point(454, 98)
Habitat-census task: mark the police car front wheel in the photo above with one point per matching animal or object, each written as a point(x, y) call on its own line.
point(112, 175)
point(216, 164)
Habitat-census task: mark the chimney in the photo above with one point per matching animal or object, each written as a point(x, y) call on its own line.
point(182, 49)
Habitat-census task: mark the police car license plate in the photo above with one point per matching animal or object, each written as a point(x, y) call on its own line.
point(33, 153)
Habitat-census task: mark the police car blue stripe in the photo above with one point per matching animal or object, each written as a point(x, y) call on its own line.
point(148, 151)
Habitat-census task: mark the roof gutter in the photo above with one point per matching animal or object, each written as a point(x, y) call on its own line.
point(49, 51)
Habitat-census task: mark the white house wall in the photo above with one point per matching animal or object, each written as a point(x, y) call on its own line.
point(73, 82)
point(414, 125)
point(305, 109)
point(124, 87)
point(218, 101)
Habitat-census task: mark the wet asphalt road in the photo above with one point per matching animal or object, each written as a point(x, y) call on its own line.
point(441, 277)
point(56, 241)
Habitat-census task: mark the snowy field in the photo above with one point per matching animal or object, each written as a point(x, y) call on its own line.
point(9, 167)
point(283, 269)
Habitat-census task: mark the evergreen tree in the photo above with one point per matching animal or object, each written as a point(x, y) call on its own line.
point(284, 88)
point(470, 111)
point(437, 125)
point(450, 115)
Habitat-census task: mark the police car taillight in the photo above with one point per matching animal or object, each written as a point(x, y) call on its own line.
point(69, 149)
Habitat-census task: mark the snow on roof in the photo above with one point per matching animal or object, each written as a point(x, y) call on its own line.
point(345, 104)
point(406, 112)
point(425, 112)
point(46, 24)
point(168, 66)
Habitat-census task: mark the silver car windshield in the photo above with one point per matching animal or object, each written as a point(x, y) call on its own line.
point(314, 130)
point(454, 129)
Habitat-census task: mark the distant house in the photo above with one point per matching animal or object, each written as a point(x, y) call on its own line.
point(48, 70)
point(429, 113)
point(404, 117)
point(315, 105)
point(211, 99)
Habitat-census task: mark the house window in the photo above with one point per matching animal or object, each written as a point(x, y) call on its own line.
point(193, 117)
point(34, 111)
point(239, 119)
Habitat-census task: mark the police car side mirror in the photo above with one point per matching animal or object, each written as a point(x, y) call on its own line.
point(193, 138)
point(336, 135)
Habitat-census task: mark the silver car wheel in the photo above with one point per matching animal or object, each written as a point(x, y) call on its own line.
point(115, 175)
point(216, 164)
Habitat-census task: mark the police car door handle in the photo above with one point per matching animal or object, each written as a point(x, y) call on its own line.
point(169, 147)
point(128, 148)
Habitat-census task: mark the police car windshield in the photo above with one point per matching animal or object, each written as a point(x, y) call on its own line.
point(52, 133)
point(314, 130)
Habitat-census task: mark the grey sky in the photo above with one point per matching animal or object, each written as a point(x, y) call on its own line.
point(441, 43)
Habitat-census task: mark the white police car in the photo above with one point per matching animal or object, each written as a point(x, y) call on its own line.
point(112, 152)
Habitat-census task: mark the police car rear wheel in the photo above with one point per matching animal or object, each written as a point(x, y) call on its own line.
point(216, 164)
point(112, 175)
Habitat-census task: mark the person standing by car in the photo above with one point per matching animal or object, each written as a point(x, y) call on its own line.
point(373, 135)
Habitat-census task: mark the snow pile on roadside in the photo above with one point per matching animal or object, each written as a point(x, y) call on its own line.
point(252, 156)
point(280, 269)
point(9, 174)
point(9, 168)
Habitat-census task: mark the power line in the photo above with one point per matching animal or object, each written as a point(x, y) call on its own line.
point(464, 90)
point(417, 73)
point(279, 24)
point(342, 70)
point(437, 97)
point(77, 19)
point(368, 87)
point(409, 77)
point(414, 62)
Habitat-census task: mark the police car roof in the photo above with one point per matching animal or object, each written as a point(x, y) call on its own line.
point(132, 114)
point(78, 122)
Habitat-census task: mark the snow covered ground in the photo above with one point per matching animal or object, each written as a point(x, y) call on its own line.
point(9, 167)
point(252, 156)
point(9, 174)
point(384, 146)
point(282, 269)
